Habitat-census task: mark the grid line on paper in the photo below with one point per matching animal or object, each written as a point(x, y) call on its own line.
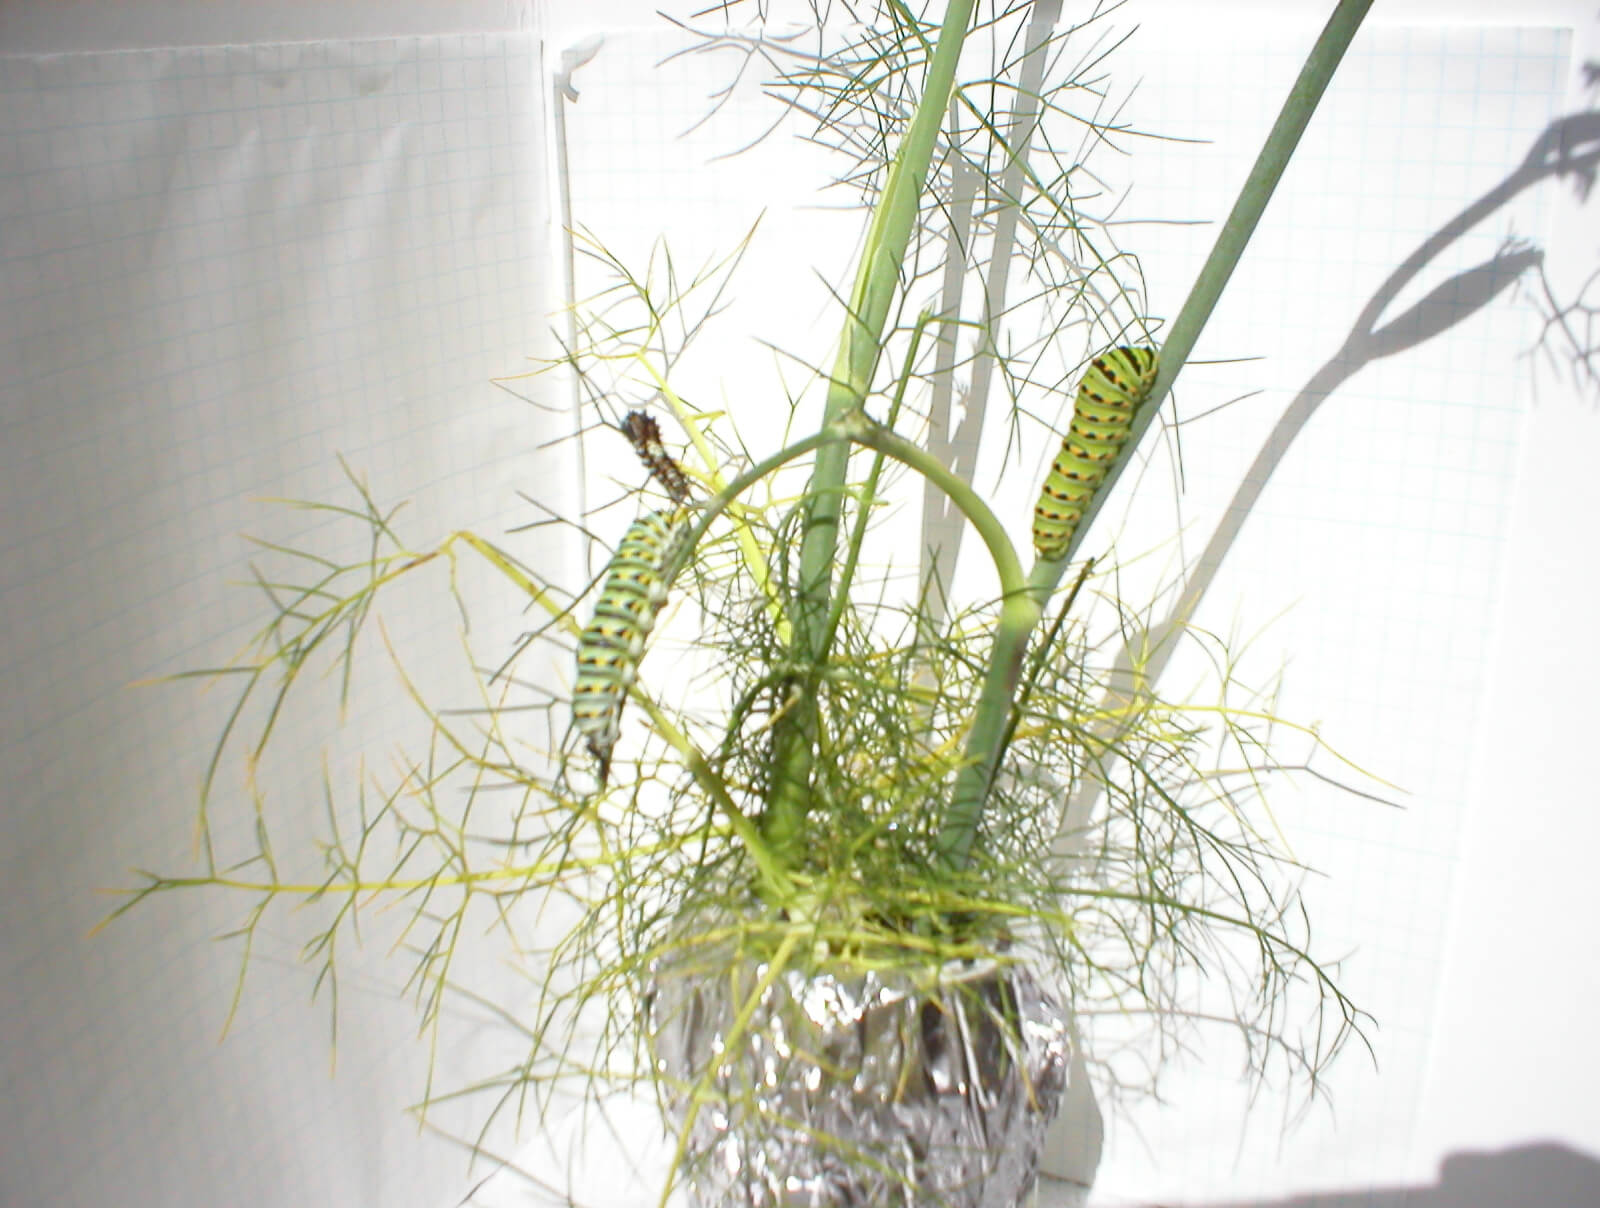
point(219, 267)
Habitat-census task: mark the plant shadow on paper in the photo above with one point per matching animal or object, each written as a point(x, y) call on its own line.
point(1567, 151)
point(1544, 1175)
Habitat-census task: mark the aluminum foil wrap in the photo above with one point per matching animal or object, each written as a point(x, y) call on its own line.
point(859, 1089)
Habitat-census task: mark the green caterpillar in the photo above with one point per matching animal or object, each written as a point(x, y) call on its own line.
point(1109, 395)
point(633, 590)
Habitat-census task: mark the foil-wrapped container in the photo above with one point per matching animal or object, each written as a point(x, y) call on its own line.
point(810, 1089)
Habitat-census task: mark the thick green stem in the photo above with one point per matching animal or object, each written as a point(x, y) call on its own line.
point(877, 280)
point(985, 742)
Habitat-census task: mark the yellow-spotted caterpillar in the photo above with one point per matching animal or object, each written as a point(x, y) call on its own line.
point(632, 592)
point(1109, 395)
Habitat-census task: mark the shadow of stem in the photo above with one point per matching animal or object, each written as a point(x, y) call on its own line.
point(1568, 148)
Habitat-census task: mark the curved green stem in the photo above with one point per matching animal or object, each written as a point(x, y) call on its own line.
point(858, 429)
point(723, 499)
point(862, 431)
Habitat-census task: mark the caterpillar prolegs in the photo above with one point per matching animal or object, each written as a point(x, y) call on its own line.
point(1117, 383)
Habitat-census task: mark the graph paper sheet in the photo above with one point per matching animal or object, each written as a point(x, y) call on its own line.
point(223, 269)
point(1369, 570)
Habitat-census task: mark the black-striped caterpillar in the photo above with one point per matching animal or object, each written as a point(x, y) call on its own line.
point(1109, 395)
point(641, 429)
point(633, 590)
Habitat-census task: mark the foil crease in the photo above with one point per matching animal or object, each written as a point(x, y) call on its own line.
point(859, 1089)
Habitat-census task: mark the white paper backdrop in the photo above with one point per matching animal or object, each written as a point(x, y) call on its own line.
point(223, 269)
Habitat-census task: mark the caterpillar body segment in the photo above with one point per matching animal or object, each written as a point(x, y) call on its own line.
point(1111, 392)
point(633, 590)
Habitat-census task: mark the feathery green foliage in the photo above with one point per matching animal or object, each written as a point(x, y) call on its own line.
point(849, 766)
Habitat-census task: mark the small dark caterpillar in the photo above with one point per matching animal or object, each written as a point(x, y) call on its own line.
point(641, 429)
point(1117, 383)
point(633, 590)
